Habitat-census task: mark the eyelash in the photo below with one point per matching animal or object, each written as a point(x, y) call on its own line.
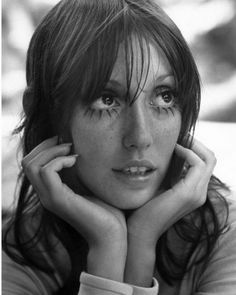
point(166, 110)
point(100, 112)
point(110, 112)
point(160, 90)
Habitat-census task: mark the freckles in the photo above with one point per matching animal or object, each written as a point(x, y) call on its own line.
point(93, 143)
point(166, 134)
point(167, 126)
point(174, 125)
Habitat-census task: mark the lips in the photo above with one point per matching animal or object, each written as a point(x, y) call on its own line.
point(136, 168)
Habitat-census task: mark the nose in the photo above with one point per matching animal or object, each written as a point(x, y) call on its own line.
point(137, 128)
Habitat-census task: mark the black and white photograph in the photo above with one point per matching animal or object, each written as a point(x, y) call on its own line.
point(118, 147)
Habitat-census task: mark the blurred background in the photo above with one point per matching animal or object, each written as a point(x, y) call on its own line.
point(209, 27)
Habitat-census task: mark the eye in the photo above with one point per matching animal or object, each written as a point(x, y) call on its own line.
point(107, 104)
point(106, 101)
point(165, 97)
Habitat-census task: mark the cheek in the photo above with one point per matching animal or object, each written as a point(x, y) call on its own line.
point(93, 143)
point(168, 132)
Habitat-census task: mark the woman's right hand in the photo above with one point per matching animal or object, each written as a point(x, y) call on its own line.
point(102, 226)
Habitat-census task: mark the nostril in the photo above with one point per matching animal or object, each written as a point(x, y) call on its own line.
point(137, 128)
point(137, 141)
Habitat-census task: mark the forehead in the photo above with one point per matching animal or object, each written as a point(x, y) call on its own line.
point(141, 61)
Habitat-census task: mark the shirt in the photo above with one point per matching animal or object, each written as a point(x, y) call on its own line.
point(218, 277)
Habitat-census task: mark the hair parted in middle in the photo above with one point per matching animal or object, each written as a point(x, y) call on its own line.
point(73, 52)
point(69, 62)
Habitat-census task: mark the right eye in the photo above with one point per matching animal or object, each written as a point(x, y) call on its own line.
point(105, 102)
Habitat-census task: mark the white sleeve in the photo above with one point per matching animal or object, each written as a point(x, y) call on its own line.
point(93, 285)
point(147, 291)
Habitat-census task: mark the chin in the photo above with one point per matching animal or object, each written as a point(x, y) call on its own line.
point(132, 201)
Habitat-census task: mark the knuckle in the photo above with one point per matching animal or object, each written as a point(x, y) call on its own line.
point(201, 164)
point(23, 163)
point(212, 157)
point(185, 196)
point(189, 152)
point(214, 160)
point(29, 168)
point(44, 170)
point(193, 198)
point(211, 153)
point(199, 198)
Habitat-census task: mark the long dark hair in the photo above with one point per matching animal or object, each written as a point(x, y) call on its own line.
point(70, 59)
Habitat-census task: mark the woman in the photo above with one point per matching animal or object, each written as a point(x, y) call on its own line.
point(116, 196)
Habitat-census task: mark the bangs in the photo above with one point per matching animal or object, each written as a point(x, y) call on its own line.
point(91, 59)
point(124, 32)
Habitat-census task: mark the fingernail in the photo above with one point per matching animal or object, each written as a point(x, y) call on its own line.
point(66, 144)
point(75, 155)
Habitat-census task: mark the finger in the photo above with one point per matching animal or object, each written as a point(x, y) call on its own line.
point(191, 158)
point(196, 166)
point(49, 172)
point(38, 185)
point(80, 212)
point(45, 156)
point(42, 146)
point(205, 154)
point(32, 166)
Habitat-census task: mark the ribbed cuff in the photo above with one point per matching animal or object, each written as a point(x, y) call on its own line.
point(94, 285)
point(146, 291)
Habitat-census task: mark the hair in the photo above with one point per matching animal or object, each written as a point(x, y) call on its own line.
point(69, 61)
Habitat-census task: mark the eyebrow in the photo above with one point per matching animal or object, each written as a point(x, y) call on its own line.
point(163, 76)
point(158, 78)
point(115, 83)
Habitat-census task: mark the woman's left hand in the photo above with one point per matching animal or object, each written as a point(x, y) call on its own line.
point(147, 223)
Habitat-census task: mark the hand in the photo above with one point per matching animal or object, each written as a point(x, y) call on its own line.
point(103, 226)
point(147, 223)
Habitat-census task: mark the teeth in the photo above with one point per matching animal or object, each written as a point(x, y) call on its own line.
point(136, 170)
point(143, 169)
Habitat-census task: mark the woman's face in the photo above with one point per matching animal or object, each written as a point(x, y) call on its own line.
point(125, 149)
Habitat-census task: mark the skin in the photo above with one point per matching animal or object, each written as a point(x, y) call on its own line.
point(122, 249)
point(141, 131)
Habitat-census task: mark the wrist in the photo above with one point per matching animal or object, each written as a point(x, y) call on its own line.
point(140, 263)
point(107, 261)
point(143, 235)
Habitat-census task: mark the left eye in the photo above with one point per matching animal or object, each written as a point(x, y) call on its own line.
point(105, 102)
point(164, 97)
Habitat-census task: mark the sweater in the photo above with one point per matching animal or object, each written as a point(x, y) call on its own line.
point(218, 277)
